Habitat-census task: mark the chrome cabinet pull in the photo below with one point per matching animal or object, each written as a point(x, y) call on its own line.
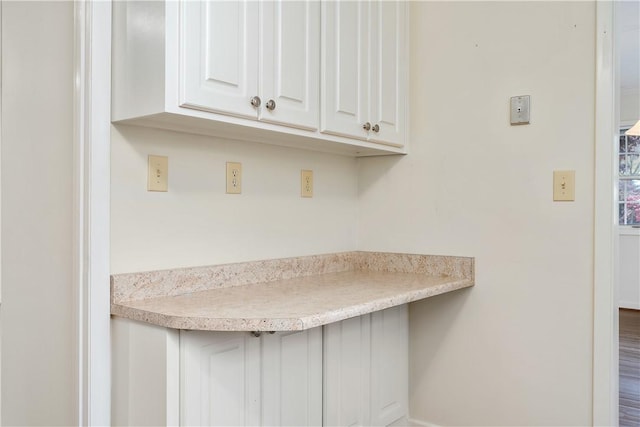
point(376, 128)
point(271, 105)
point(366, 126)
point(256, 101)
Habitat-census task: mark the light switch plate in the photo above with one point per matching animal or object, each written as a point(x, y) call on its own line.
point(158, 173)
point(306, 183)
point(234, 178)
point(520, 109)
point(564, 186)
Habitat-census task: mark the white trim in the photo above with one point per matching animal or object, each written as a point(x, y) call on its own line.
point(631, 305)
point(627, 230)
point(605, 324)
point(1, 4)
point(91, 198)
point(414, 422)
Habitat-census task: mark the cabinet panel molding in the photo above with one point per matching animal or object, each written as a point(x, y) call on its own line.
point(345, 71)
point(389, 365)
point(389, 75)
point(219, 56)
point(365, 70)
point(347, 365)
point(366, 369)
point(292, 385)
point(220, 379)
point(290, 62)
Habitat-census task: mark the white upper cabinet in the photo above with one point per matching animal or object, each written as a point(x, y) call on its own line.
point(290, 63)
point(388, 75)
point(254, 71)
point(364, 64)
point(252, 59)
point(345, 42)
point(219, 70)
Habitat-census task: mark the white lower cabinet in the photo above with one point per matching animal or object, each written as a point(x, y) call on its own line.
point(349, 373)
point(390, 366)
point(292, 378)
point(237, 379)
point(219, 379)
point(366, 370)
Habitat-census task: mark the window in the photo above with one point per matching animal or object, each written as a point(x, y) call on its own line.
point(629, 208)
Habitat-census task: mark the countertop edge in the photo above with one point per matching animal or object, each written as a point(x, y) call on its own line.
point(285, 324)
point(384, 303)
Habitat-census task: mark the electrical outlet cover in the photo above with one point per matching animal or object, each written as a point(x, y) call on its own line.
point(306, 183)
point(234, 178)
point(158, 173)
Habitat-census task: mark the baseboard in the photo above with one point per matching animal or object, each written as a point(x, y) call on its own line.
point(415, 423)
point(633, 305)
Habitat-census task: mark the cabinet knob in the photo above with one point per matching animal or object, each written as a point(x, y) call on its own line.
point(366, 126)
point(376, 128)
point(256, 101)
point(271, 105)
point(258, 334)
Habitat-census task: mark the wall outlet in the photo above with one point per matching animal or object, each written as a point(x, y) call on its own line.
point(306, 183)
point(158, 173)
point(234, 178)
point(564, 186)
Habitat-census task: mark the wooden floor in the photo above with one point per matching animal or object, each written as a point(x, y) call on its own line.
point(629, 368)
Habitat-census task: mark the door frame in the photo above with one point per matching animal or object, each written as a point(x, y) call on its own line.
point(91, 262)
point(605, 313)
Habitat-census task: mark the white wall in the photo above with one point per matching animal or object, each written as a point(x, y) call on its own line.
point(629, 106)
point(628, 26)
point(629, 291)
point(196, 223)
point(38, 347)
point(517, 348)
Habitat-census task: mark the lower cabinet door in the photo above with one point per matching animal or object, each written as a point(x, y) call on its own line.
point(220, 379)
point(292, 378)
point(366, 370)
point(349, 373)
point(237, 379)
point(347, 364)
point(390, 366)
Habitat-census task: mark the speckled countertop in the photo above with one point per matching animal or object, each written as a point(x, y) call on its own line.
point(285, 294)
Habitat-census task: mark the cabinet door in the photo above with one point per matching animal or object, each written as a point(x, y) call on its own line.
point(219, 56)
point(290, 62)
point(220, 379)
point(347, 363)
point(389, 366)
point(344, 94)
point(388, 71)
point(292, 378)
